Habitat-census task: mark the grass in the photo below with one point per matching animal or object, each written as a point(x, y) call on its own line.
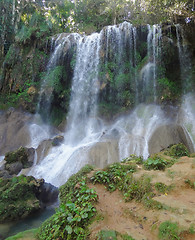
point(23, 235)
point(169, 231)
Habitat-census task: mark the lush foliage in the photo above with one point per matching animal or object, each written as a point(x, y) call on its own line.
point(76, 209)
point(157, 163)
point(113, 176)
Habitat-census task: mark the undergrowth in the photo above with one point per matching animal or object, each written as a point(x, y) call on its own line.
point(158, 163)
point(113, 176)
point(76, 210)
point(177, 150)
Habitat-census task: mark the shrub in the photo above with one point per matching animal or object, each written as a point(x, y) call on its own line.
point(169, 231)
point(178, 150)
point(155, 163)
point(113, 176)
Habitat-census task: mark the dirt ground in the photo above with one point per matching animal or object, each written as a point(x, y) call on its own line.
point(134, 219)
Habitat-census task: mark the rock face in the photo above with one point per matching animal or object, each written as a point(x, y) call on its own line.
point(167, 135)
point(22, 196)
point(17, 160)
point(43, 149)
point(13, 130)
point(106, 151)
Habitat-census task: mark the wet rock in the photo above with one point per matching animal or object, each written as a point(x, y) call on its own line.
point(14, 168)
point(13, 130)
point(23, 155)
point(103, 153)
point(43, 149)
point(167, 135)
point(4, 174)
point(17, 160)
point(21, 196)
point(48, 193)
point(57, 140)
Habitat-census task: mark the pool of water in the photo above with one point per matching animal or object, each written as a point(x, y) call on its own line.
point(33, 221)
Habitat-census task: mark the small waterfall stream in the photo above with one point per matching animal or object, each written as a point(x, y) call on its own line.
point(184, 59)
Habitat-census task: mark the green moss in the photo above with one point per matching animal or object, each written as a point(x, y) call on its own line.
point(24, 235)
point(20, 155)
point(18, 197)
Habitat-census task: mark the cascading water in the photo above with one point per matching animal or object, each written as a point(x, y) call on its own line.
point(184, 59)
point(186, 116)
point(149, 71)
point(82, 113)
point(82, 123)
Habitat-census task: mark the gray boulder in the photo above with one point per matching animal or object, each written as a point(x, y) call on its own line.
point(167, 135)
point(13, 130)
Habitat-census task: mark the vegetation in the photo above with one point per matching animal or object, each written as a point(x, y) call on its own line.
point(163, 188)
point(120, 176)
point(178, 150)
point(169, 231)
point(22, 235)
point(76, 210)
point(105, 235)
point(113, 176)
point(157, 163)
point(190, 183)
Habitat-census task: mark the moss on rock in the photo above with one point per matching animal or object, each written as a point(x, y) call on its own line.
point(18, 197)
point(20, 155)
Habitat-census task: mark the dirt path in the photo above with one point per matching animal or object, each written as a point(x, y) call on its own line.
point(134, 219)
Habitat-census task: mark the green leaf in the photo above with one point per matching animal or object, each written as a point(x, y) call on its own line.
point(68, 229)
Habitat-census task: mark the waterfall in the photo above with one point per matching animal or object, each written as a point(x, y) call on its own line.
point(149, 71)
point(82, 125)
point(85, 86)
point(184, 59)
point(120, 57)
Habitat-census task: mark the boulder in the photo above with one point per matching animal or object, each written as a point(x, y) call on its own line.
point(21, 196)
point(14, 168)
point(167, 135)
point(43, 149)
point(48, 193)
point(17, 160)
point(13, 130)
point(57, 140)
point(103, 153)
